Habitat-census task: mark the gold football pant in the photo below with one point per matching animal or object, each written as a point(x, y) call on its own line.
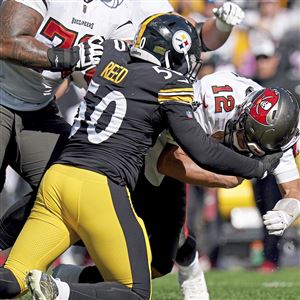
point(74, 204)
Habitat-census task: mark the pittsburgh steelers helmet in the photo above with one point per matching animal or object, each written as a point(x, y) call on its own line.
point(269, 120)
point(170, 41)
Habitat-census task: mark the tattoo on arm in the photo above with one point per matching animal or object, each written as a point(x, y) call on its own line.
point(18, 26)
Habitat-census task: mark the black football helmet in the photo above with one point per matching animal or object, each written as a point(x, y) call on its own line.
point(170, 41)
point(268, 120)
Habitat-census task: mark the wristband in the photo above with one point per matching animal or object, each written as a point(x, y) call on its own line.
point(63, 59)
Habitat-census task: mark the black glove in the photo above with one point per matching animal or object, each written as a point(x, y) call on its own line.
point(268, 164)
point(80, 57)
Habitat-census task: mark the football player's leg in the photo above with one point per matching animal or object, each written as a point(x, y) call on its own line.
point(267, 194)
point(14, 218)
point(190, 275)
point(116, 240)
point(6, 127)
point(41, 136)
point(8, 151)
point(162, 209)
point(194, 202)
point(43, 238)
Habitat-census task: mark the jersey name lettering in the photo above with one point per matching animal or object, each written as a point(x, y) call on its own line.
point(82, 22)
point(114, 72)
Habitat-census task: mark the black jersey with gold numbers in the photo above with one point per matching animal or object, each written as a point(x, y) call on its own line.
point(128, 103)
point(120, 117)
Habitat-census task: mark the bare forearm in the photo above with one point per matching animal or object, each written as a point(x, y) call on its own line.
point(25, 50)
point(211, 36)
point(290, 189)
point(174, 163)
point(18, 26)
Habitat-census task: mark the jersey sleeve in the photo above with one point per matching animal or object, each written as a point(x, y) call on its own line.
point(179, 91)
point(287, 169)
point(41, 6)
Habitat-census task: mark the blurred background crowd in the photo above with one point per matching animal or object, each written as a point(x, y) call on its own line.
point(266, 48)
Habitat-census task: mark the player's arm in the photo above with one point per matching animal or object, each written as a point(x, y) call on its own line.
point(19, 24)
point(287, 209)
point(215, 31)
point(290, 189)
point(208, 153)
point(174, 162)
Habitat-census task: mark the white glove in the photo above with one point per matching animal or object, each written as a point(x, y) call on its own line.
point(284, 213)
point(228, 15)
point(90, 53)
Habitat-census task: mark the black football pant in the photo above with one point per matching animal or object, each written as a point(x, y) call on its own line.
point(194, 202)
point(267, 194)
point(30, 141)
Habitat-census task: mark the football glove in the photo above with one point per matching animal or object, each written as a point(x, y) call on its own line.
point(90, 53)
point(268, 164)
point(228, 15)
point(284, 213)
point(80, 57)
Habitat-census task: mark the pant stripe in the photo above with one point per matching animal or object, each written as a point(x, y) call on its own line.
point(135, 240)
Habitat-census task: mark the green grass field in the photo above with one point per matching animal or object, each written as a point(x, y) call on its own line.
point(236, 285)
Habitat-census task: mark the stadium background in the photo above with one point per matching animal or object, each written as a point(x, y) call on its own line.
point(266, 47)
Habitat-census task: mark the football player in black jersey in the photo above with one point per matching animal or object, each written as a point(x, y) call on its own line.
point(135, 93)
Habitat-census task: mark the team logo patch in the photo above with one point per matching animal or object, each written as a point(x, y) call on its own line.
point(263, 107)
point(181, 41)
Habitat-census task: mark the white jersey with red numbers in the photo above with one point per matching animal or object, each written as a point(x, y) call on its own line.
point(218, 95)
point(66, 23)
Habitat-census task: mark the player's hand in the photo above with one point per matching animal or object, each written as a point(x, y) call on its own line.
point(80, 57)
point(284, 213)
point(90, 53)
point(268, 163)
point(228, 15)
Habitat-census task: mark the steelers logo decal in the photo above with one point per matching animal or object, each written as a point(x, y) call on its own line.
point(181, 41)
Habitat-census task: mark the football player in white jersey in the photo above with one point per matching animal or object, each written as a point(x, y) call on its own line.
point(245, 126)
point(43, 36)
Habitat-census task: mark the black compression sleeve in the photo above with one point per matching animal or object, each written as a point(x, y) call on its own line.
point(206, 152)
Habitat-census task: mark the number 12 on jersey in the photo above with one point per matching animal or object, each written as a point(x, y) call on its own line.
point(226, 103)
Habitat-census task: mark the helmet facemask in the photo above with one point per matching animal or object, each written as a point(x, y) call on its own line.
point(236, 138)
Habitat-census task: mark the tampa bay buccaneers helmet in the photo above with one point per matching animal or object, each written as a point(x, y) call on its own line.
point(268, 120)
point(169, 41)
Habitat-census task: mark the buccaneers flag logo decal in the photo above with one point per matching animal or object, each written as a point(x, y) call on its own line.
point(262, 109)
